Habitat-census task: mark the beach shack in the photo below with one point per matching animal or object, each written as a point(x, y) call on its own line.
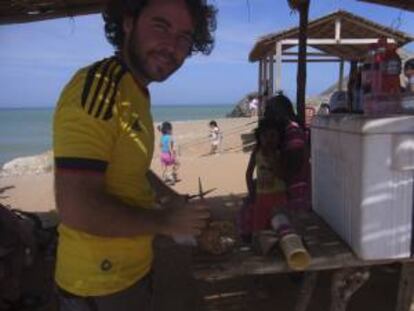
point(339, 37)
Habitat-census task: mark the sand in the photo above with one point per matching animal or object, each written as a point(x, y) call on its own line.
point(34, 192)
point(225, 171)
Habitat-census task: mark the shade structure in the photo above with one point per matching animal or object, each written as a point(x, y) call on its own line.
point(353, 28)
point(21, 11)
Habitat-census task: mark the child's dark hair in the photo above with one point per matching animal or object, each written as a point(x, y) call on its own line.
point(279, 106)
point(277, 124)
point(213, 123)
point(166, 127)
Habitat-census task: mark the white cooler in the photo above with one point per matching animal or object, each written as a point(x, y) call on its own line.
point(362, 181)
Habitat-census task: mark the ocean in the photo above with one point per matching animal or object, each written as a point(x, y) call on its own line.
point(27, 131)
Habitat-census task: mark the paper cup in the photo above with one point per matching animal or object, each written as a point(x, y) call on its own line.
point(296, 255)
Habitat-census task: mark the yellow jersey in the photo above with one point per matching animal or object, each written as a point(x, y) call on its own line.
point(103, 123)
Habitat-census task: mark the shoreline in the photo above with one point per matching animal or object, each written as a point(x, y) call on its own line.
point(29, 184)
point(37, 163)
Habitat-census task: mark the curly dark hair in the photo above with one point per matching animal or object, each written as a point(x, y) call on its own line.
point(203, 14)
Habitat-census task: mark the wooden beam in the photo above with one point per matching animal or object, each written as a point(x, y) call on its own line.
point(372, 28)
point(337, 29)
point(354, 41)
point(308, 53)
point(327, 60)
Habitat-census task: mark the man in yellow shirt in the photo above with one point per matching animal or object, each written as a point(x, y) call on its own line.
point(103, 141)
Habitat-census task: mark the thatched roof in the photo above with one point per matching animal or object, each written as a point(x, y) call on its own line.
point(353, 26)
point(20, 11)
point(402, 4)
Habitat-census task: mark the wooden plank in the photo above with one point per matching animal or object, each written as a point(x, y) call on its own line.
point(320, 60)
point(338, 25)
point(326, 248)
point(306, 291)
point(348, 41)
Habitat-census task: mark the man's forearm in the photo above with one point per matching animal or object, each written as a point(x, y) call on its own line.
point(105, 215)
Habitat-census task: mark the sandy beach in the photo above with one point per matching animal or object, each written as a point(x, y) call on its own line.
point(225, 171)
point(34, 192)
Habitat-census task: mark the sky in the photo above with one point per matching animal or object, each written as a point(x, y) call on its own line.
point(38, 59)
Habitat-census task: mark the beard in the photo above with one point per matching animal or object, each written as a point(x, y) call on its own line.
point(143, 66)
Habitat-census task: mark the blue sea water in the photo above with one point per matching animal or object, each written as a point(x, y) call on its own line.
point(27, 131)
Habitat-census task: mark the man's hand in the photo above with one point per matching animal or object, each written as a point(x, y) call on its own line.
point(185, 220)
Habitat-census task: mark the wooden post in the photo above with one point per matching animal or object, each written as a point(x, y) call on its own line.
point(306, 290)
point(265, 74)
point(260, 86)
point(271, 74)
point(351, 85)
point(338, 29)
point(278, 84)
point(341, 76)
point(406, 287)
point(301, 76)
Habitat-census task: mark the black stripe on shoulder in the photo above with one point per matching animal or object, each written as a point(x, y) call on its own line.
point(89, 81)
point(117, 80)
point(110, 85)
point(81, 164)
point(103, 76)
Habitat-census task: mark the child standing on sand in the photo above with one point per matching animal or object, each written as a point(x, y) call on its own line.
point(215, 137)
point(268, 191)
point(168, 154)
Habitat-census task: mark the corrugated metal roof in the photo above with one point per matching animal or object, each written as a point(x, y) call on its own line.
point(353, 26)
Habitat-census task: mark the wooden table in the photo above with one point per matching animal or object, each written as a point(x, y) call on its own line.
point(328, 252)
